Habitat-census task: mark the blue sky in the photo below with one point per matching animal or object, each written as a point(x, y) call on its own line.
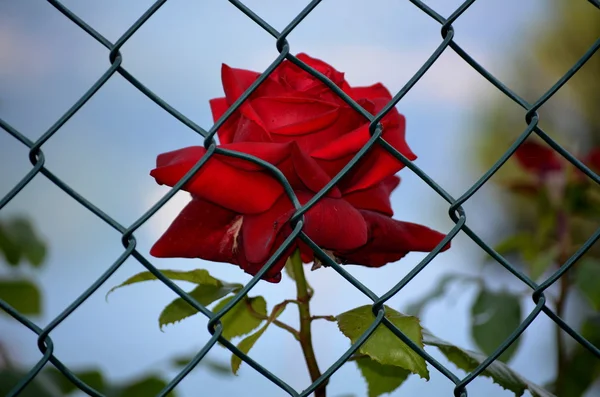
point(107, 149)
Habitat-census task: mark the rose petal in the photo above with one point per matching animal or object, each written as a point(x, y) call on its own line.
point(334, 224)
point(294, 116)
point(390, 240)
point(312, 177)
point(219, 182)
point(374, 91)
point(259, 231)
point(218, 107)
point(236, 81)
point(376, 165)
point(375, 198)
point(331, 223)
point(329, 71)
point(201, 230)
point(273, 275)
point(301, 170)
point(537, 158)
point(592, 160)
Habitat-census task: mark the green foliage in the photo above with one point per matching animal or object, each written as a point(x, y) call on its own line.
point(245, 345)
point(9, 378)
point(23, 295)
point(587, 278)
point(381, 378)
point(383, 346)
point(242, 320)
point(207, 291)
point(148, 386)
point(19, 241)
point(584, 367)
point(248, 342)
point(196, 276)
point(203, 294)
point(494, 316)
point(92, 378)
point(499, 372)
point(51, 383)
point(213, 366)
point(439, 291)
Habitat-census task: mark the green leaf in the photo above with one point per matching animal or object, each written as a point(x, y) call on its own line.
point(415, 308)
point(203, 294)
point(383, 346)
point(584, 367)
point(587, 279)
point(514, 243)
point(196, 276)
point(39, 387)
point(380, 378)
point(149, 386)
point(18, 240)
point(23, 295)
point(499, 372)
point(245, 345)
point(214, 366)
point(92, 378)
point(494, 316)
point(240, 320)
point(248, 342)
point(543, 260)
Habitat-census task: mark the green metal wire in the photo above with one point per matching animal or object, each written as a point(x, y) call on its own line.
point(455, 210)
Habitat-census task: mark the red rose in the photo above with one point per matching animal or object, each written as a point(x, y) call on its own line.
point(537, 158)
point(592, 160)
point(239, 213)
point(292, 105)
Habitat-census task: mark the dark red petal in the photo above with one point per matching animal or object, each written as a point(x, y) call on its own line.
point(335, 76)
point(313, 177)
point(375, 198)
point(218, 107)
point(219, 182)
point(301, 170)
point(376, 165)
point(390, 240)
point(346, 120)
point(273, 275)
point(331, 223)
point(334, 224)
point(259, 231)
point(294, 116)
point(236, 81)
point(374, 91)
point(247, 130)
point(346, 145)
point(592, 160)
point(537, 158)
point(201, 230)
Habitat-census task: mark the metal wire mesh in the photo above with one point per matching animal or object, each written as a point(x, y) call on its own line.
point(456, 212)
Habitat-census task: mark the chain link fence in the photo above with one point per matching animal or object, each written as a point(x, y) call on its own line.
point(455, 210)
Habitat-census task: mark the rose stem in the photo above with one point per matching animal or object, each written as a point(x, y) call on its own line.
point(305, 321)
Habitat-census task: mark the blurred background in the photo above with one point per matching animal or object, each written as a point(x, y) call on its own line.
point(457, 123)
